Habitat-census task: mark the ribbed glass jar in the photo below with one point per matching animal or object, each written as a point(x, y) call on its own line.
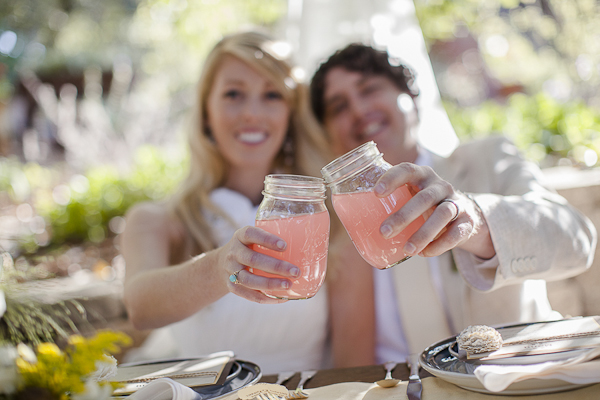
point(352, 178)
point(293, 208)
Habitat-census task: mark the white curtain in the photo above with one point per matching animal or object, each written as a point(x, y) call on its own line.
point(316, 28)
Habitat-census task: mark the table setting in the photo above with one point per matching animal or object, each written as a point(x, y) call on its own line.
point(538, 360)
point(543, 360)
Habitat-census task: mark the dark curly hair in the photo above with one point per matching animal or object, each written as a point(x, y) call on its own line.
point(357, 57)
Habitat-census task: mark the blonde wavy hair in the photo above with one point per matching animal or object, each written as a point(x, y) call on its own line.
point(305, 148)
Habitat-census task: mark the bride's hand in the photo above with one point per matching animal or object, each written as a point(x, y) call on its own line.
point(237, 255)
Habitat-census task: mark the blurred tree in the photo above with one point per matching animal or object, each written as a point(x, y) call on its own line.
point(176, 35)
point(105, 78)
point(549, 45)
point(102, 78)
point(160, 36)
point(526, 69)
point(68, 34)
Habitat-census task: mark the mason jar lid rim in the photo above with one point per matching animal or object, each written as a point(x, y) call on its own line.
point(319, 196)
point(295, 180)
point(350, 173)
point(352, 153)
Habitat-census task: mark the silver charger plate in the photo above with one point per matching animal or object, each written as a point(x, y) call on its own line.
point(439, 361)
point(516, 360)
point(242, 374)
point(247, 374)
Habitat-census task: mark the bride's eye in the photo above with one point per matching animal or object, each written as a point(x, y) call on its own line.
point(273, 95)
point(232, 94)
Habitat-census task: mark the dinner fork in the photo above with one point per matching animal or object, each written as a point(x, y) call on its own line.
point(268, 396)
point(299, 393)
point(283, 377)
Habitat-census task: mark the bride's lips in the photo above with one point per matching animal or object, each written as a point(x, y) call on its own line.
point(252, 137)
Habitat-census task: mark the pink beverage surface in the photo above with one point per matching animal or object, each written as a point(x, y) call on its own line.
point(307, 238)
point(362, 214)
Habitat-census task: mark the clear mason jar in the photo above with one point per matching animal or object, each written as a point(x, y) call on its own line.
point(293, 208)
point(352, 178)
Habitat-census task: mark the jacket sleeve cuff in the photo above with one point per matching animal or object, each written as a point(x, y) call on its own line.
point(477, 272)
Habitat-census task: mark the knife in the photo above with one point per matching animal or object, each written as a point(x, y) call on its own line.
point(415, 388)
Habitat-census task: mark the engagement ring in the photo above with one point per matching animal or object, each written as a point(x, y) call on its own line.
point(233, 278)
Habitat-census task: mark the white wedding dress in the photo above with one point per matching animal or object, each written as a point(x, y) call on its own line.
point(291, 336)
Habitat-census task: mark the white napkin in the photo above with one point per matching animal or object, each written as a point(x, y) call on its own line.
point(577, 370)
point(164, 389)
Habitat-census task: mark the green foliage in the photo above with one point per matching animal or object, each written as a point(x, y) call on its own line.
point(542, 41)
point(546, 130)
point(13, 180)
point(79, 367)
point(82, 208)
point(26, 320)
point(546, 49)
point(440, 19)
point(169, 38)
point(176, 36)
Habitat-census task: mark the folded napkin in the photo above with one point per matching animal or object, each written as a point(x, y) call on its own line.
point(438, 389)
point(577, 370)
point(164, 389)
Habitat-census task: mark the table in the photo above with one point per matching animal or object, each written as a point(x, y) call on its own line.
point(369, 374)
point(434, 388)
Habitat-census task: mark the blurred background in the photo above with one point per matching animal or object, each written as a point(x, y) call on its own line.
point(95, 97)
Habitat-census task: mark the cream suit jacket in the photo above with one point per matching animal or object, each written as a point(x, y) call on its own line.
point(537, 235)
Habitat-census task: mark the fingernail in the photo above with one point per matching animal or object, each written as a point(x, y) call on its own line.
point(410, 248)
point(380, 188)
point(386, 231)
point(280, 244)
point(285, 285)
point(295, 271)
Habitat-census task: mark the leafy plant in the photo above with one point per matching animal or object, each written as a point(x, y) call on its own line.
point(24, 319)
point(78, 371)
point(82, 208)
point(66, 372)
point(547, 131)
point(64, 365)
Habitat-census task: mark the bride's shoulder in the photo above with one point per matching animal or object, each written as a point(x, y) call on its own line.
point(144, 211)
point(151, 216)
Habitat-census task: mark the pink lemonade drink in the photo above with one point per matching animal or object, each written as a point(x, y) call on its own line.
point(307, 238)
point(362, 214)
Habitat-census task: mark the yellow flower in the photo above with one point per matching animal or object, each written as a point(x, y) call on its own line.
point(49, 349)
point(76, 340)
point(72, 372)
point(25, 366)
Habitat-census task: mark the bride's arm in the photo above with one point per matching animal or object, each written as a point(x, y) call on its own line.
point(157, 293)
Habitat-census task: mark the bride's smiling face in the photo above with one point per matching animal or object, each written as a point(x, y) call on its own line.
point(247, 115)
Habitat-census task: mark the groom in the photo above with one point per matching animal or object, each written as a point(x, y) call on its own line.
point(481, 258)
